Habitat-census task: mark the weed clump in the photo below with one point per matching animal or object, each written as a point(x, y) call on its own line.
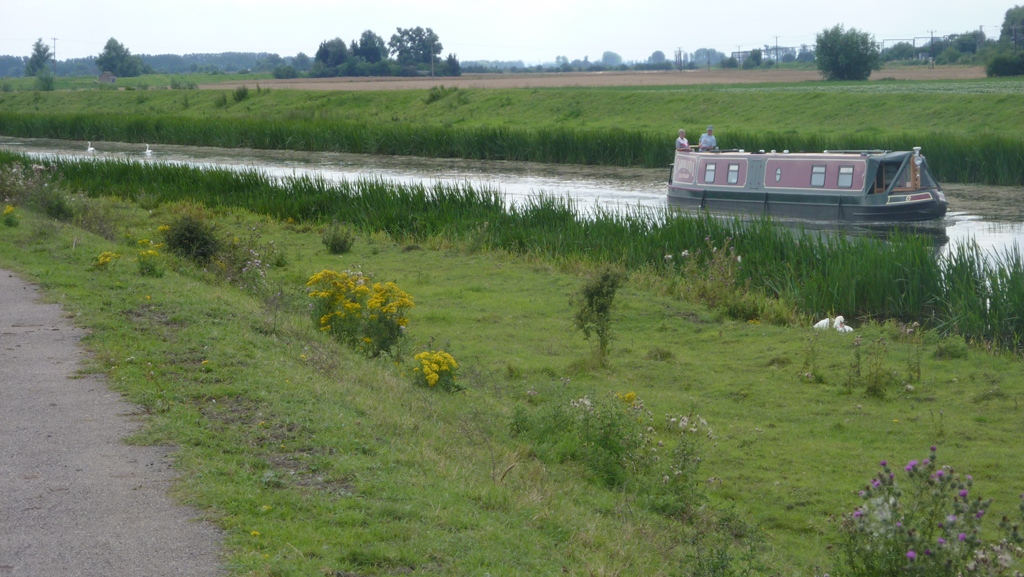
point(593, 304)
point(192, 238)
point(339, 238)
point(926, 521)
point(437, 369)
point(370, 317)
point(240, 93)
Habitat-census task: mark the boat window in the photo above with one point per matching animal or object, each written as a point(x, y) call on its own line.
point(893, 176)
point(818, 176)
point(845, 177)
point(926, 178)
point(734, 174)
point(709, 173)
point(778, 174)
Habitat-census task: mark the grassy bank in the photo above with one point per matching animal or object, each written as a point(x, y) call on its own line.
point(969, 137)
point(900, 278)
point(316, 460)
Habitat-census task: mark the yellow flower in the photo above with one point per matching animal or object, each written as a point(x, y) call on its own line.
point(8, 210)
point(255, 533)
point(163, 228)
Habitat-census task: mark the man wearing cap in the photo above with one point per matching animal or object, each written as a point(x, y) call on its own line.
point(682, 144)
point(707, 140)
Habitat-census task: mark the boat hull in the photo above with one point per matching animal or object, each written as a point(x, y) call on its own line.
point(822, 208)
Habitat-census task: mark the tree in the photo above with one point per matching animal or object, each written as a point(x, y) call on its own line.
point(118, 60)
point(611, 59)
point(846, 54)
point(301, 62)
point(332, 53)
point(452, 63)
point(415, 45)
point(657, 57)
point(898, 51)
point(1013, 26)
point(805, 55)
point(41, 56)
point(371, 47)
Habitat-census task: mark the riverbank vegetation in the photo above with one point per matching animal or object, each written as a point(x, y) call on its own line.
point(583, 126)
point(965, 294)
point(747, 440)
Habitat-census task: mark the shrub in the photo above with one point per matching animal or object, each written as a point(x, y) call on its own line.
point(926, 523)
point(245, 261)
point(104, 260)
point(9, 217)
point(240, 93)
point(593, 304)
point(437, 369)
point(371, 319)
point(192, 238)
point(148, 261)
point(618, 440)
point(220, 101)
point(1005, 65)
point(338, 238)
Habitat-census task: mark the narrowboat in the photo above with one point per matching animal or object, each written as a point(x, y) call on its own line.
point(836, 185)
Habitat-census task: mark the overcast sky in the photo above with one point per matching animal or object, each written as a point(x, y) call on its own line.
point(530, 30)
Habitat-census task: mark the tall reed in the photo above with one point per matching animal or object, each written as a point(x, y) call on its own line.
point(965, 292)
point(984, 159)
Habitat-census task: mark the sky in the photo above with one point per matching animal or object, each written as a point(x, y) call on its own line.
point(533, 31)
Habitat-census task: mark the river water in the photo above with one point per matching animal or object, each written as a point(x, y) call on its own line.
point(991, 215)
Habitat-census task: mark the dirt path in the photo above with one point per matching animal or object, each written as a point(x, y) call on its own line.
point(590, 79)
point(74, 499)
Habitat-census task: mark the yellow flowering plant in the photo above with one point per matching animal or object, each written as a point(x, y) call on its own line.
point(437, 369)
point(104, 260)
point(9, 218)
point(368, 316)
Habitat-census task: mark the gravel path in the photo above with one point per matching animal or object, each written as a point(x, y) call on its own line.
point(74, 499)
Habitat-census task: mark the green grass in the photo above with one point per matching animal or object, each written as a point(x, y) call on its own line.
point(145, 82)
point(899, 278)
point(341, 464)
point(970, 131)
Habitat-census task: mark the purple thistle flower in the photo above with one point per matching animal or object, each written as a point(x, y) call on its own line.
point(899, 524)
point(941, 541)
point(883, 463)
point(911, 555)
point(963, 493)
point(910, 466)
point(876, 483)
point(926, 462)
point(940, 473)
point(933, 448)
point(961, 536)
point(980, 514)
point(951, 518)
point(861, 493)
point(857, 513)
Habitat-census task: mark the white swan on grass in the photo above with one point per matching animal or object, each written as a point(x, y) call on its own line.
point(89, 148)
point(823, 324)
point(841, 325)
point(148, 151)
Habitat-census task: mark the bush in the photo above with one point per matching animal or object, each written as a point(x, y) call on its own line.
point(284, 71)
point(593, 304)
point(437, 369)
point(1005, 65)
point(192, 238)
point(338, 238)
point(370, 319)
point(44, 82)
point(925, 523)
point(618, 440)
point(9, 218)
point(240, 93)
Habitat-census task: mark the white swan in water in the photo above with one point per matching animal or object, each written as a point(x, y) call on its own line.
point(823, 324)
point(89, 148)
point(841, 325)
point(148, 151)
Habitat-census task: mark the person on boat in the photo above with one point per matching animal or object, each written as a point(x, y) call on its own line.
point(682, 145)
point(707, 140)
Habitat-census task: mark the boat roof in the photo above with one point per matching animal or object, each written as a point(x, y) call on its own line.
point(880, 155)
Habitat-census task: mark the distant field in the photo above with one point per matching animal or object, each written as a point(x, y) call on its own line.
point(604, 79)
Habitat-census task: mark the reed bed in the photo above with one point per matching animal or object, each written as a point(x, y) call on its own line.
point(987, 159)
point(980, 297)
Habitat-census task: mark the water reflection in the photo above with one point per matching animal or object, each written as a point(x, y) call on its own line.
point(991, 215)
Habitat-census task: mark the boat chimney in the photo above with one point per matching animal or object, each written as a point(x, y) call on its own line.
point(917, 151)
point(785, 152)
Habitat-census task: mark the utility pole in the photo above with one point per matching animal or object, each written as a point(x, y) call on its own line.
point(54, 57)
point(776, 51)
